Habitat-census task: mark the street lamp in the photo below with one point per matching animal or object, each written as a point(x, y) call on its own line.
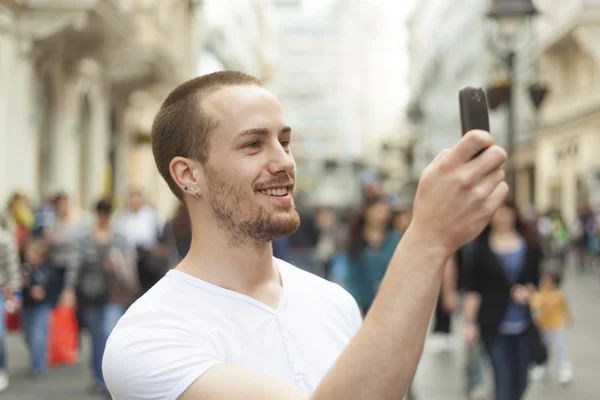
point(510, 17)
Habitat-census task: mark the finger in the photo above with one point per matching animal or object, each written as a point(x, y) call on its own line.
point(488, 184)
point(442, 155)
point(496, 198)
point(471, 144)
point(490, 160)
point(439, 161)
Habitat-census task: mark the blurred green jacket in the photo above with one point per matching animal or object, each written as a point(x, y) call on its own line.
point(367, 268)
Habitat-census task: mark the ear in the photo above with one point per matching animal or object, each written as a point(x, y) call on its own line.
point(188, 174)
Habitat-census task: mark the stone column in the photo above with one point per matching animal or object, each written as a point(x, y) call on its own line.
point(7, 39)
point(98, 144)
point(85, 131)
point(121, 172)
point(21, 121)
point(84, 143)
point(48, 150)
point(65, 170)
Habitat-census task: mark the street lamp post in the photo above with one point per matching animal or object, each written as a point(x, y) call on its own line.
point(511, 125)
point(509, 17)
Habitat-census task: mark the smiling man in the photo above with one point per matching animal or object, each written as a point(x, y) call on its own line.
point(233, 322)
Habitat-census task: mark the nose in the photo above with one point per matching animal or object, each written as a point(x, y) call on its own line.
point(280, 160)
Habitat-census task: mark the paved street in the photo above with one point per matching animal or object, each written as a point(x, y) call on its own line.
point(62, 383)
point(439, 376)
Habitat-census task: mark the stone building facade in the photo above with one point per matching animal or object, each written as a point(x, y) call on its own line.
point(71, 73)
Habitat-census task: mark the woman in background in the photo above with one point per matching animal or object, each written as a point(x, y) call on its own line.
point(62, 234)
point(504, 274)
point(371, 244)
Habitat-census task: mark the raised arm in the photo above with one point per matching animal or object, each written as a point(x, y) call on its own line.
point(456, 197)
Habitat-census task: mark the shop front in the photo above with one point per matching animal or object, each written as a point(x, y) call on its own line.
point(567, 162)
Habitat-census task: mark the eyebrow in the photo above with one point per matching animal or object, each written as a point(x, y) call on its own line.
point(261, 132)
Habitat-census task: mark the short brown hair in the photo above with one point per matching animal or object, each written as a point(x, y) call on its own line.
point(104, 206)
point(181, 128)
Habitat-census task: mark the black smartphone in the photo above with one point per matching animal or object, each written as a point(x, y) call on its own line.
point(473, 109)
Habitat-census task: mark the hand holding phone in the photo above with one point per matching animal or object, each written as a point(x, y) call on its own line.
point(473, 109)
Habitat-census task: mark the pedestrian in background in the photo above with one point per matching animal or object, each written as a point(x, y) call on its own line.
point(10, 293)
point(37, 275)
point(143, 229)
point(401, 219)
point(19, 219)
point(326, 248)
point(62, 234)
point(106, 286)
point(552, 314)
point(371, 244)
point(452, 293)
point(503, 276)
point(301, 245)
point(176, 238)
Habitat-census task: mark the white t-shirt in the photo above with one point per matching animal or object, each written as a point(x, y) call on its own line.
point(183, 326)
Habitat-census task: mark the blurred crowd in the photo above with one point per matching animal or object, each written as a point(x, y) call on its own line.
point(93, 262)
point(506, 284)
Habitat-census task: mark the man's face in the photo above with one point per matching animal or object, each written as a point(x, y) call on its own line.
point(249, 175)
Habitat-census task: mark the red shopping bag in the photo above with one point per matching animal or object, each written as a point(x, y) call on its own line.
point(12, 315)
point(13, 322)
point(62, 336)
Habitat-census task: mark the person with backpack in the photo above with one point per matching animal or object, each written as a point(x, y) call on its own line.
point(107, 284)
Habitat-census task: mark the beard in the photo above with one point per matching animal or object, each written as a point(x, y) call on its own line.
point(239, 214)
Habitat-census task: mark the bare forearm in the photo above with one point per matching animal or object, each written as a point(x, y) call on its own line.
point(471, 306)
point(381, 361)
point(458, 194)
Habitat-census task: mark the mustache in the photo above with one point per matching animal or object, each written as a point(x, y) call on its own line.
point(287, 181)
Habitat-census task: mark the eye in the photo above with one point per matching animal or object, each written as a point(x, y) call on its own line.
point(286, 144)
point(252, 145)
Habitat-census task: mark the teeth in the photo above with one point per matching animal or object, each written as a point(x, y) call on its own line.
point(275, 192)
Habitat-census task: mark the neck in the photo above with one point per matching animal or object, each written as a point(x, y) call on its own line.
point(213, 257)
point(503, 233)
